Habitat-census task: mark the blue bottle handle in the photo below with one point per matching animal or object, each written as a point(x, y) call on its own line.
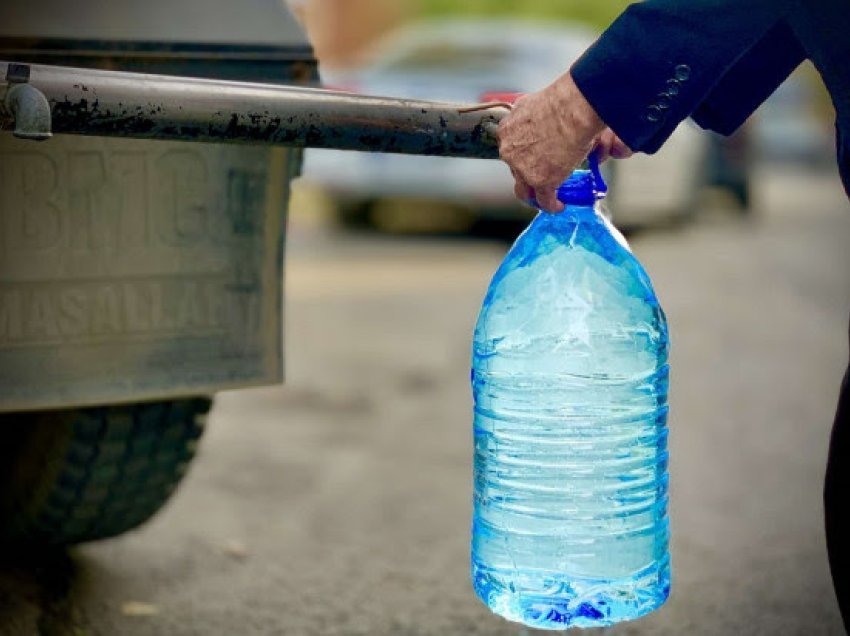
point(582, 188)
point(593, 163)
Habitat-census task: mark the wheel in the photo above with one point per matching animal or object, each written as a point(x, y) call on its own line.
point(420, 216)
point(355, 214)
point(77, 475)
point(740, 191)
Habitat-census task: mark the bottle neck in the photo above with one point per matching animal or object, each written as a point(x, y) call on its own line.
point(579, 214)
point(558, 223)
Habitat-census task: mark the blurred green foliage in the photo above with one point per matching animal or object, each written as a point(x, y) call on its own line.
point(598, 13)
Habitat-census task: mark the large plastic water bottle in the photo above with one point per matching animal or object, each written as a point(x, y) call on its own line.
point(570, 383)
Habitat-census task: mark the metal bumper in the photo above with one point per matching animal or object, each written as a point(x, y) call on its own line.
point(136, 266)
point(113, 104)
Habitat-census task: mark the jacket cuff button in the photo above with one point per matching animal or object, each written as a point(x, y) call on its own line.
point(683, 72)
point(653, 114)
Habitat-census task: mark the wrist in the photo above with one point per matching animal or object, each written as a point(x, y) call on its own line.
point(574, 112)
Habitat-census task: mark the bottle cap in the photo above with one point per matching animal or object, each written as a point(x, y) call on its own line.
point(584, 187)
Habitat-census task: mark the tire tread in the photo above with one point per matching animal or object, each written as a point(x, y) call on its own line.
point(119, 466)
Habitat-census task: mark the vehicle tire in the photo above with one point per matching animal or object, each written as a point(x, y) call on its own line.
point(740, 191)
point(76, 475)
point(355, 214)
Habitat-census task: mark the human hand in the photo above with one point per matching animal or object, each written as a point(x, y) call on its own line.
point(608, 145)
point(547, 135)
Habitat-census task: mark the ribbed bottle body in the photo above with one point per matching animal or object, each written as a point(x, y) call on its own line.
point(570, 382)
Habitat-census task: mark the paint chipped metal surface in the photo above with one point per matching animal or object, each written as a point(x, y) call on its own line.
point(107, 103)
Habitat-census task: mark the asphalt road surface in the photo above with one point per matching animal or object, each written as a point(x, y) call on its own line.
point(339, 504)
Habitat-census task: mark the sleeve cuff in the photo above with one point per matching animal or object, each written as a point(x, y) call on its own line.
point(660, 59)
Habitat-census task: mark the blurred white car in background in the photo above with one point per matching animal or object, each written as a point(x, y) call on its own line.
point(464, 61)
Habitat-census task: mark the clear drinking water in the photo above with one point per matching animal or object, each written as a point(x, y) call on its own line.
point(570, 383)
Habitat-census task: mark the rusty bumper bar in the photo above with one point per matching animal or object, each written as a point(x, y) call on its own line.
point(37, 100)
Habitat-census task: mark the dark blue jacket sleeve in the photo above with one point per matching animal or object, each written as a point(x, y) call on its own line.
point(664, 60)
point(751, 81)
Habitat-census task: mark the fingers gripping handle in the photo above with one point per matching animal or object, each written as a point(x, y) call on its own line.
point(582, 189)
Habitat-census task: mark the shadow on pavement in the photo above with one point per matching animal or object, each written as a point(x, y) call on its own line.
point(35, 593)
